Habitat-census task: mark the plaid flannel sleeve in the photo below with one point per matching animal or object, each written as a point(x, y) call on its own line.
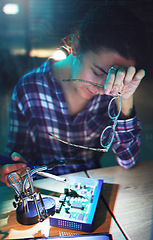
point(127, 142)
point(20, 138)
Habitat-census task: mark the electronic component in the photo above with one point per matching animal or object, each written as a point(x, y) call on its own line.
point(30, 206)
point(77, 205)
point(75, 209)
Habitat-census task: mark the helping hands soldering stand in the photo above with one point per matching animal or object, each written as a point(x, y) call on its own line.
point(30, 206)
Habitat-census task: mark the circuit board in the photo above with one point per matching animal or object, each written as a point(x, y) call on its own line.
point(77, 205)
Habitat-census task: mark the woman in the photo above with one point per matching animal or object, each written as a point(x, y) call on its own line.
point(53, 100)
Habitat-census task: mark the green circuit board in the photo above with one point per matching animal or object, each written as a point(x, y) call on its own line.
point(76, 207)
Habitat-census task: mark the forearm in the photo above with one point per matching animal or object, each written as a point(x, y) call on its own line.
point(126, 145)
point(127, 108)
point(127, 154)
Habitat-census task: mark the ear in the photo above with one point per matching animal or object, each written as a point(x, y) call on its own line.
point(75, 45)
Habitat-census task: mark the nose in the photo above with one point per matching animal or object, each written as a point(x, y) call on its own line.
point(98, 88)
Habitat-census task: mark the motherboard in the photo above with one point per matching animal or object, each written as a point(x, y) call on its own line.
point(76, 207)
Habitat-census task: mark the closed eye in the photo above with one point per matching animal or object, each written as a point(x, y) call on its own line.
point(97, 74)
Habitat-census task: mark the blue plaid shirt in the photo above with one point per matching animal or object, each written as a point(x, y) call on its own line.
point(38, 107)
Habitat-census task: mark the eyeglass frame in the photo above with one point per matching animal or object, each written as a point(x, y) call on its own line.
point(115, 118)
point(105, 148)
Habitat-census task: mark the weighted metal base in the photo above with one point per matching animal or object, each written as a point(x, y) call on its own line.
point(27, 215)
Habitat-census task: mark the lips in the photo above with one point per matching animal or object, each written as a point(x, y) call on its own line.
point(90, 92)
point(87, 93)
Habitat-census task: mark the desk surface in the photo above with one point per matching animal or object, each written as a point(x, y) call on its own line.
point(129, 194)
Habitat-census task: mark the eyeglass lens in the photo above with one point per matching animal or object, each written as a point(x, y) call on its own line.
point(113, 112)
point(107, 136)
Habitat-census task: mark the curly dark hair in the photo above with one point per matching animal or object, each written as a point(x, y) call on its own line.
point(115, 28)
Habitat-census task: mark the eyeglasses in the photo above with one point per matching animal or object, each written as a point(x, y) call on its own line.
point(107, 135)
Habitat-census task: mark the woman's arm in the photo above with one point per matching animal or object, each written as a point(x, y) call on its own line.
point(126, 144)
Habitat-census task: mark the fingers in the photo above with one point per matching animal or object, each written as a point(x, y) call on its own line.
point(119, 79)
point(16, 167)
point(7, 169)
point(17, 157)
point(114, 81)
point(139, 75)
point(129, 75)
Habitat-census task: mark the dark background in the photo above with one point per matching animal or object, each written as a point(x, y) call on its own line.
point(41, 24)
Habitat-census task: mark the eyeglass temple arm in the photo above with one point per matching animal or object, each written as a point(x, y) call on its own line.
point(85, 81)
point(78, 146)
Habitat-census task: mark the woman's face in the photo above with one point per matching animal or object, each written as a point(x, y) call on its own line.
point(94, 67)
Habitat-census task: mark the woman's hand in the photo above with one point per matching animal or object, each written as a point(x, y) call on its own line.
point(5, 170)
point(123, 80)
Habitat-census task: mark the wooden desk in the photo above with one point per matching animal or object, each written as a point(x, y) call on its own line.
point(129, 194)
point(134, 202)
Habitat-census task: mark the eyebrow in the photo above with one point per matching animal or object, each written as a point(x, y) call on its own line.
point(101, 69)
